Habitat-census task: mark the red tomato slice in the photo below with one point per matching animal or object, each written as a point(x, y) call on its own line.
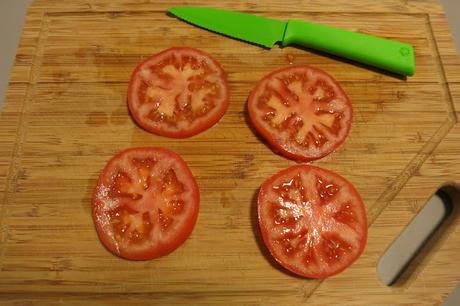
point(178, 92)
point(145, 204)
point(312, 220)
point(301, 111)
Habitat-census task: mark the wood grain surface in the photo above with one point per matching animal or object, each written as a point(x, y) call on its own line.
point(65, 115)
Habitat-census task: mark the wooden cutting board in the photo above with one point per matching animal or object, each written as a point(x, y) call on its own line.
point(65, 115)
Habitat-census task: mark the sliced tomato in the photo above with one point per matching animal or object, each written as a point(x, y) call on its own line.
point(145, 204)
point(312, 220)
point(301, 111)
point(178, 92)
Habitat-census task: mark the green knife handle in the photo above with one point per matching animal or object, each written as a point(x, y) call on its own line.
point(383, 53)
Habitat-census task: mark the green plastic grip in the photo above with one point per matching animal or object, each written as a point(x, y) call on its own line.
point(383, 53)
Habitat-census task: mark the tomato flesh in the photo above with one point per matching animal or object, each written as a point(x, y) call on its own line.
point(145, 203)
point(312, 220)
point(178, 92)
point(301, 111)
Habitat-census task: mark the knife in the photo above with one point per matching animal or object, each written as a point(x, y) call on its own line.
point(391, 55)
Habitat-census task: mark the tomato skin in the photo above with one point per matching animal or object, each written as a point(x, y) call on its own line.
point(184, 133)
point(265, 231)
point(163, 248)
point(279, 145)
